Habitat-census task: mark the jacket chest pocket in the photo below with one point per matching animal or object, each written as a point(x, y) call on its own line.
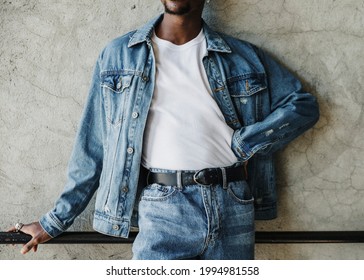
point(115, 91)
point(246, 92)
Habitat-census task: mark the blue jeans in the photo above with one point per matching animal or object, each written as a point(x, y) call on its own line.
point(195, 222)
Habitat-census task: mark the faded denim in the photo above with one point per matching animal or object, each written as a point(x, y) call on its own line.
point(195, 222)
point(261, 100)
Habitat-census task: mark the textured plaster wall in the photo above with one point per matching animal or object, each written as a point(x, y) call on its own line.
point(47, 52)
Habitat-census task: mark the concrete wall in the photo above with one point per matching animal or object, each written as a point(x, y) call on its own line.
point(47, 52)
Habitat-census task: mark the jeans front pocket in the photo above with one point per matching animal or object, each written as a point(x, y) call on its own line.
point(156, 192)
point(240, 192)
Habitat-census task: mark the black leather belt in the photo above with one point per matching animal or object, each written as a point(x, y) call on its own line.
point(204, 177)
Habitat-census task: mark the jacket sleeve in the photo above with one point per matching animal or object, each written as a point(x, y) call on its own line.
point(293, 111)
point(84, 167)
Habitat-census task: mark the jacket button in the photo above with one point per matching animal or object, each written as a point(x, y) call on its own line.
point(135, 115)
point(130, 150)
point(118, 86)
point(125, 189)
point(116, 227)
point(145, 78)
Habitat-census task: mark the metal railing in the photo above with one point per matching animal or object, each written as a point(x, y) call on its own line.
point(261, 237)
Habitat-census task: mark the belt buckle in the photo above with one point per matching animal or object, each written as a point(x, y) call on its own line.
point(197, 178)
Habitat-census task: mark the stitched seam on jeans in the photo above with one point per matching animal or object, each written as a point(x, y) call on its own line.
point(207, 238)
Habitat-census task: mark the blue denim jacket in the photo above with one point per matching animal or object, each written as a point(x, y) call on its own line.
point(260, 100)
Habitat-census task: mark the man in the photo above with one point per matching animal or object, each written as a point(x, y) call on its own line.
point(178, 110)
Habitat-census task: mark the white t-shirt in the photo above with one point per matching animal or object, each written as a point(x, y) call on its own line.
point(185, 129)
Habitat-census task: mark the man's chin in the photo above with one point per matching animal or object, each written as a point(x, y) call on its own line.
point(179, 11)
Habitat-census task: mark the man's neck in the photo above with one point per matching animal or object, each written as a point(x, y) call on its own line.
point(179, 29)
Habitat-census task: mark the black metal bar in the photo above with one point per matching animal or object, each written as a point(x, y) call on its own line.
point(309, 237)
point(262, 237)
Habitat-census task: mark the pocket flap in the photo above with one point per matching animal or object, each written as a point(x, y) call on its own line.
point(117, 82)
point(246, 85)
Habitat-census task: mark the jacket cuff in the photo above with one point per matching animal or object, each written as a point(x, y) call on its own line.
point(51, 225)
point(241, 149)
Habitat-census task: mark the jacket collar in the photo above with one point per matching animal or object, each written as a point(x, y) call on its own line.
point(213, 39)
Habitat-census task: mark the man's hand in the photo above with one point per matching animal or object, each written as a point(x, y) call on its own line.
point(38, 234)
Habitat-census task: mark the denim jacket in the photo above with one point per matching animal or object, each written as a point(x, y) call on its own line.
point(261, 101)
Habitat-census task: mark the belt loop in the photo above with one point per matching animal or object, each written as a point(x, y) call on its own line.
point(179, 180)
point(224, 179)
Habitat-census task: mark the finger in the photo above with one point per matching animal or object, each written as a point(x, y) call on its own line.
point(26, 229)
point(12, 229)
point(27, 247)
point(35, 248)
